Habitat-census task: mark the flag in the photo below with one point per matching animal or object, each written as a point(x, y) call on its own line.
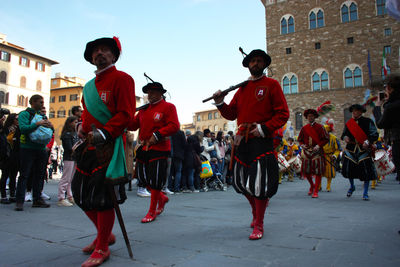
point(393, 8)
point(384, 66)
point(369, 68)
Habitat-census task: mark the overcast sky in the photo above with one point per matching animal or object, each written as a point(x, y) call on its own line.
point(190, 46)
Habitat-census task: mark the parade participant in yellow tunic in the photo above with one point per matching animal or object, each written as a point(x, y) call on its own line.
point(332, 151)
point(291, 151)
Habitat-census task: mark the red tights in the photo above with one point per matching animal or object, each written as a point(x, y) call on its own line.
point(104, 222)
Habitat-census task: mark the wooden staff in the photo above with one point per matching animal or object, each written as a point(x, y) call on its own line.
point(120, 220)
point(226, 91)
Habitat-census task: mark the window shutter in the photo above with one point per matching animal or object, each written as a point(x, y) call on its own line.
point(20, 60)
point(44, 67)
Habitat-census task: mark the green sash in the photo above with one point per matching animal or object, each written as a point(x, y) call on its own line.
point(96, 107)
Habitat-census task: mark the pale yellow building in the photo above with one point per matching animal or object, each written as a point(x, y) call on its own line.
point(212, 120)
point(22, 74)
point(66, 92)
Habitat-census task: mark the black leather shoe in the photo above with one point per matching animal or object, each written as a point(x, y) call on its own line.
point(19, 207)
point(40, 204)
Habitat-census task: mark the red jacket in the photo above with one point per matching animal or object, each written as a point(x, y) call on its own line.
point(117, 90)
point(261, 101)
point(159, 117)
point(305, 139)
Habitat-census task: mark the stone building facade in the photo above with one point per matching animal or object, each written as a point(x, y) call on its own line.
point(319, 52)
point(22, 74)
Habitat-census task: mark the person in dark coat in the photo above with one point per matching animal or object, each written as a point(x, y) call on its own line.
point(359, 134)
point(11, 165)
point(389, 120)
point(191, 162)
point(178, 154)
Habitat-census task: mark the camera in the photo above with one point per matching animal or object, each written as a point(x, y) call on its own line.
point(4, 111)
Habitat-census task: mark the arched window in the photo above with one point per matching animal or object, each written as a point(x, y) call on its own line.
point(352, 76)
point(22, 82)
point(383, 71)
point(210, 116)
point(353, 12)
point(284, 26)
point(39, 85)
point(286, 85)
point(293, 84)
point(225, 127)
point(357, 77)
point(290, 24)
point(215, 115)
point(51, 113)
point(313, 21)
point(299, 120)
point(287, 24)
point(345, 13)
point(2, 97)
point(316, 82)
point(348, 78)
point(198, 118)
point(324, 81)
point(320, 19)
point(380, 7)
point(216, 128)
point(290, 84)
point(21, 100)
point(349, 12)
point(3, 77)
point(320, 80)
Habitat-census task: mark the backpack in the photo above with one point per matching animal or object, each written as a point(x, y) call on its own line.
point(42, 135)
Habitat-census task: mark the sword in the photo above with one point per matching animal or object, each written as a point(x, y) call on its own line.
point(120, 220)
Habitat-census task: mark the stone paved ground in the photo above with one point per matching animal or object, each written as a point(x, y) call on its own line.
point(212, 229)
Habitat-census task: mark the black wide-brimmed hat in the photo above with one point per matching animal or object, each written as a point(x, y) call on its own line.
point(311, 111)
point(113, 43)
point(357, 107)
point(256, 53)
point(153, 86)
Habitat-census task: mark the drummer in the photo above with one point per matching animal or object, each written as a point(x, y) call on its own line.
point(292, 150)
point(379, 146)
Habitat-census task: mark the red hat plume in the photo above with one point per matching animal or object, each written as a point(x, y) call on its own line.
point(118, 43)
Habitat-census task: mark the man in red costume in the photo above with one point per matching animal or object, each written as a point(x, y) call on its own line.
point(109, 103)
point(156, 122)
point(312, 138)
point(260, 109)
